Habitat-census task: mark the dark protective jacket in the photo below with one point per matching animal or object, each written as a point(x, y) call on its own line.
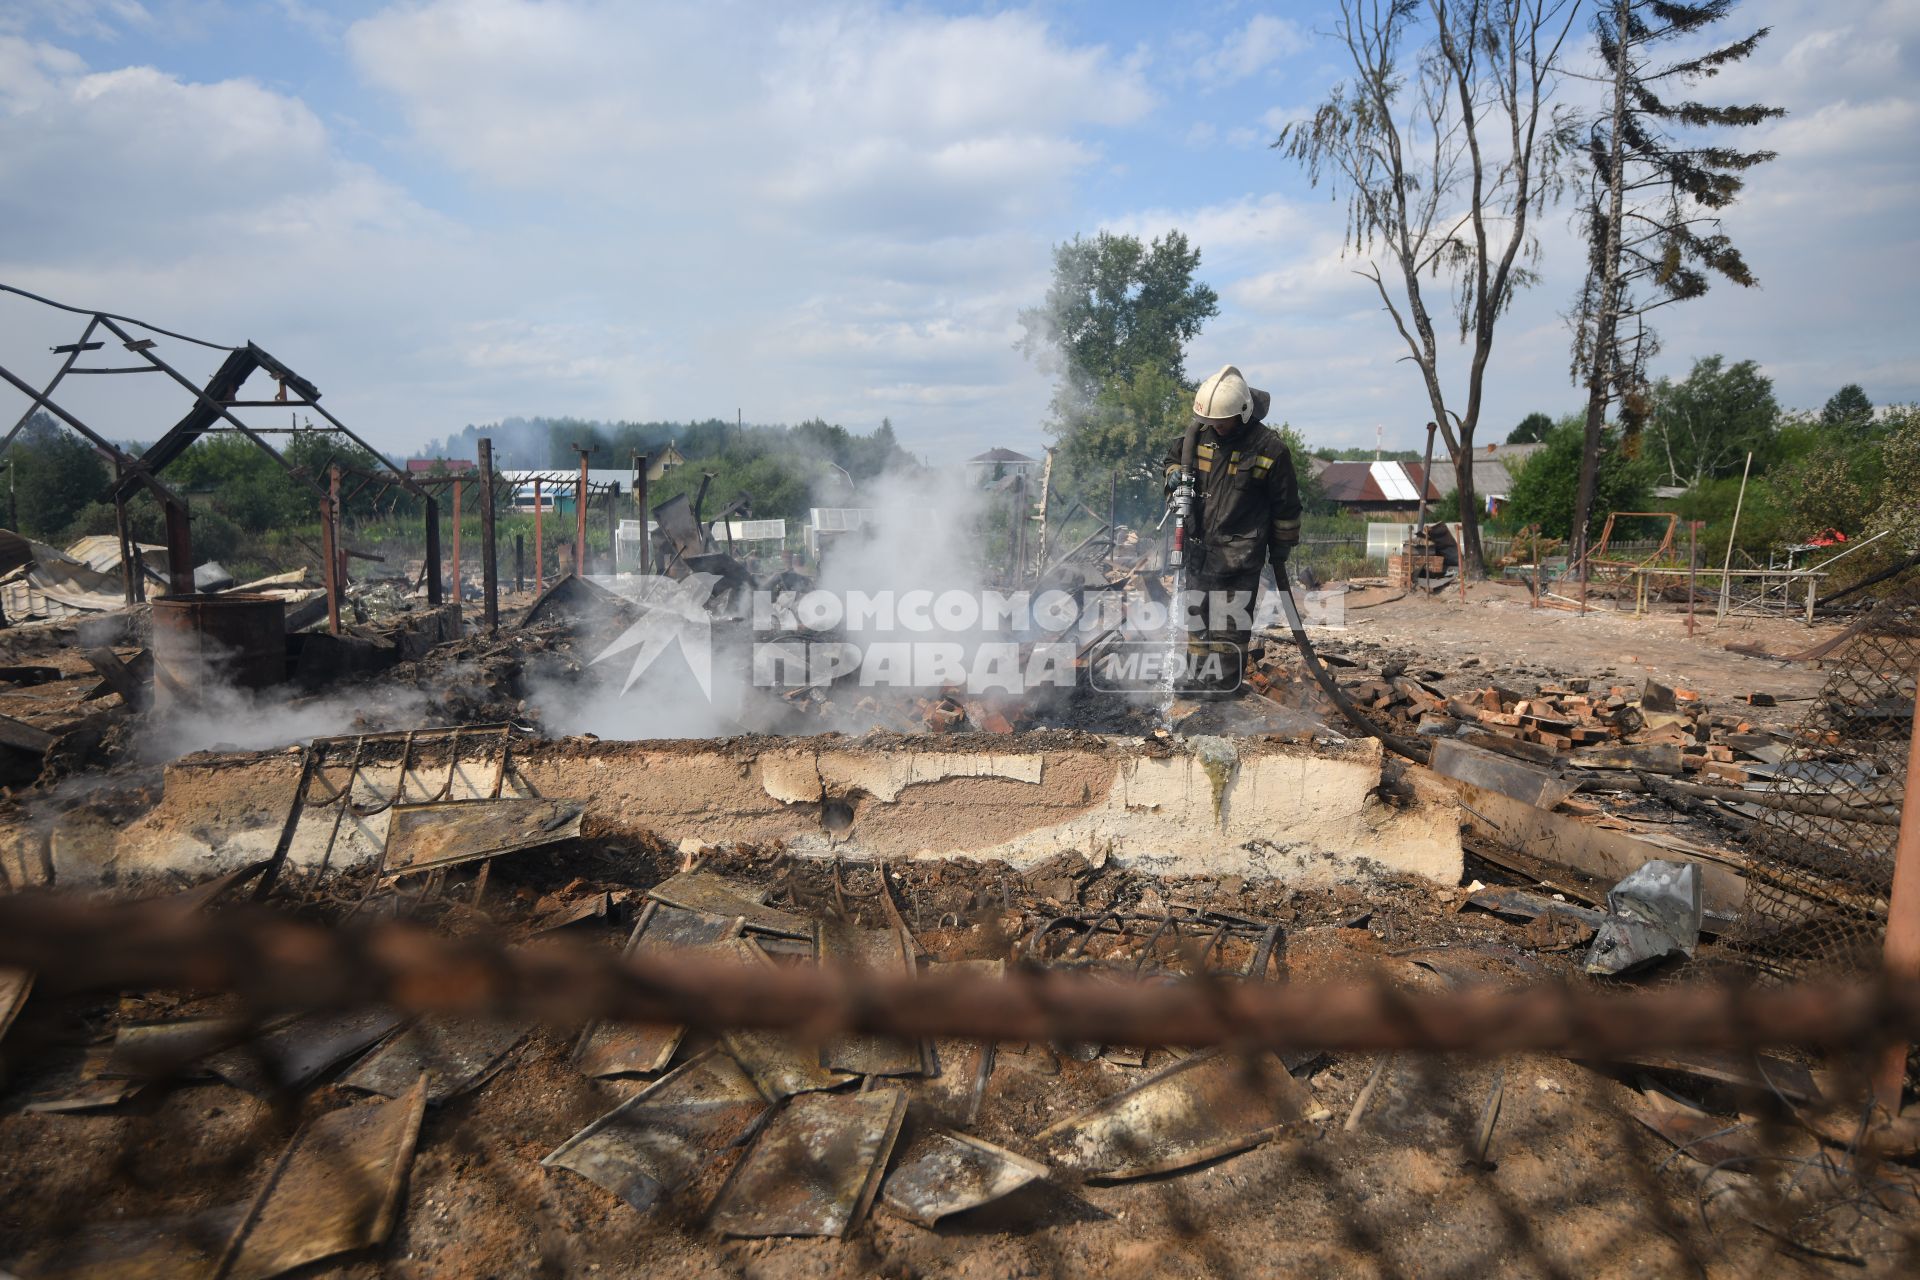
point(1249, 500)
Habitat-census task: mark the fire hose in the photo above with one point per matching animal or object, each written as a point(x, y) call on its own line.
point(1412, 748)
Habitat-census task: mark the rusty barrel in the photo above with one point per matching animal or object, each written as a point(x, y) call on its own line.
point(204, 642)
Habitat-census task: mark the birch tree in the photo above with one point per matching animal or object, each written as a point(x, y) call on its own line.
point(1449, 147)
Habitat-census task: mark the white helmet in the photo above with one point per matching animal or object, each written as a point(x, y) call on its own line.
point(1226, 395)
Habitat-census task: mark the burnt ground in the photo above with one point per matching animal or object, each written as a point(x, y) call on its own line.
point(1495, 635)
point(1569, 1184)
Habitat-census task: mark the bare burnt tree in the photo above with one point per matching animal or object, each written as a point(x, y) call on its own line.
point(1656, 183)
point(1447, 155)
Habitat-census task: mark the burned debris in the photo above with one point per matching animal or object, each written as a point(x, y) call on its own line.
point(459, 921)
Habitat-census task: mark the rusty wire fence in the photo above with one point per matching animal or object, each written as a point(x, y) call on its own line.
point(910, 1071)
point(1821, 864)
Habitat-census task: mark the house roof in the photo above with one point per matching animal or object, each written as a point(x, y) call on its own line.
point(1001, 455)
point(1375, 483)
point(1371, 482)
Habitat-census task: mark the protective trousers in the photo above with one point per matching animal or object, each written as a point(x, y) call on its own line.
point(1219, 622)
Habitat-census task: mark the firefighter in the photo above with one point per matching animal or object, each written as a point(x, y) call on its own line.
point(1246, 518)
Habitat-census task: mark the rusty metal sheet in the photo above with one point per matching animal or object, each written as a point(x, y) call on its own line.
point(146, 1050)
point(205, 894)
point(421, 837)
point(816, 1167)
point(702, 891)
point(594, 906)
point(945, 1173)
point(781, 1065)
point(292, 1054)
point(454, 1054)
point(779, 1062)
point(660, 1140)
point(181, 1248)
point(957, 1080)
point(336, 1187)
point(1759, 1072)
point(1708, 1139)
point(613, 1048)
point(86, 1090)
point(881, 953)
point(1205, 1106)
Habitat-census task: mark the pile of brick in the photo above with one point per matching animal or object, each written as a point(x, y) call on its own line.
point(1654, 728)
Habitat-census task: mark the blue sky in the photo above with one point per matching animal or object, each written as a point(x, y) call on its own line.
point(453, 212)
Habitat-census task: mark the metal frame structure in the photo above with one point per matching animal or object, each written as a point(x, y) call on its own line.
point(214, 403)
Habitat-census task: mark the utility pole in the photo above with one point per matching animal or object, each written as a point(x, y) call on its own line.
point(489, 559)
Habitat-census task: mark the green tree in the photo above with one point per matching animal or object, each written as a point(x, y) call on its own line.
point(1114, 331)
point(1849, 410)
point(1313, 495)
point(56, 476)
point(1655, 186)
point(1858, 486)
point(1532, 429)
point(1705, 425)
point(1544, 487)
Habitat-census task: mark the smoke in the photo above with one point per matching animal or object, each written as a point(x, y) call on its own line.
point(669, 669)
point(206, 710)
point(922, 535)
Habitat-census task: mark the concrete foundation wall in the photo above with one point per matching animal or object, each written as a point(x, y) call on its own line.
point(1310, 813)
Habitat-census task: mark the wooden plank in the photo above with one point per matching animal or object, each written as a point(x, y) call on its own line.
point(23, 736)
point(1594, 853)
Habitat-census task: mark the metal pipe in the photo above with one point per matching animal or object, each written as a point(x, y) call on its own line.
point(640, 501)
point(329, 568)
point(81, 948)
point(613, 528)
point(539, 564)
point(1426, 483)
point(436, 595)
point(339, 528)
point(1902, 955)
point(1732, 533)
point(459, 592)
point(489, 558)
point(580, 518)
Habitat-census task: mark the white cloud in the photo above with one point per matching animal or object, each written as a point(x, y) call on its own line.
point(1264, 41)
point(850, 115)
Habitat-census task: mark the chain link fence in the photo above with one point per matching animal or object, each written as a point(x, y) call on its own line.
point(1822, 869)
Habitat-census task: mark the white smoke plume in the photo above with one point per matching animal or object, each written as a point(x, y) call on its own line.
point(206, 710)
